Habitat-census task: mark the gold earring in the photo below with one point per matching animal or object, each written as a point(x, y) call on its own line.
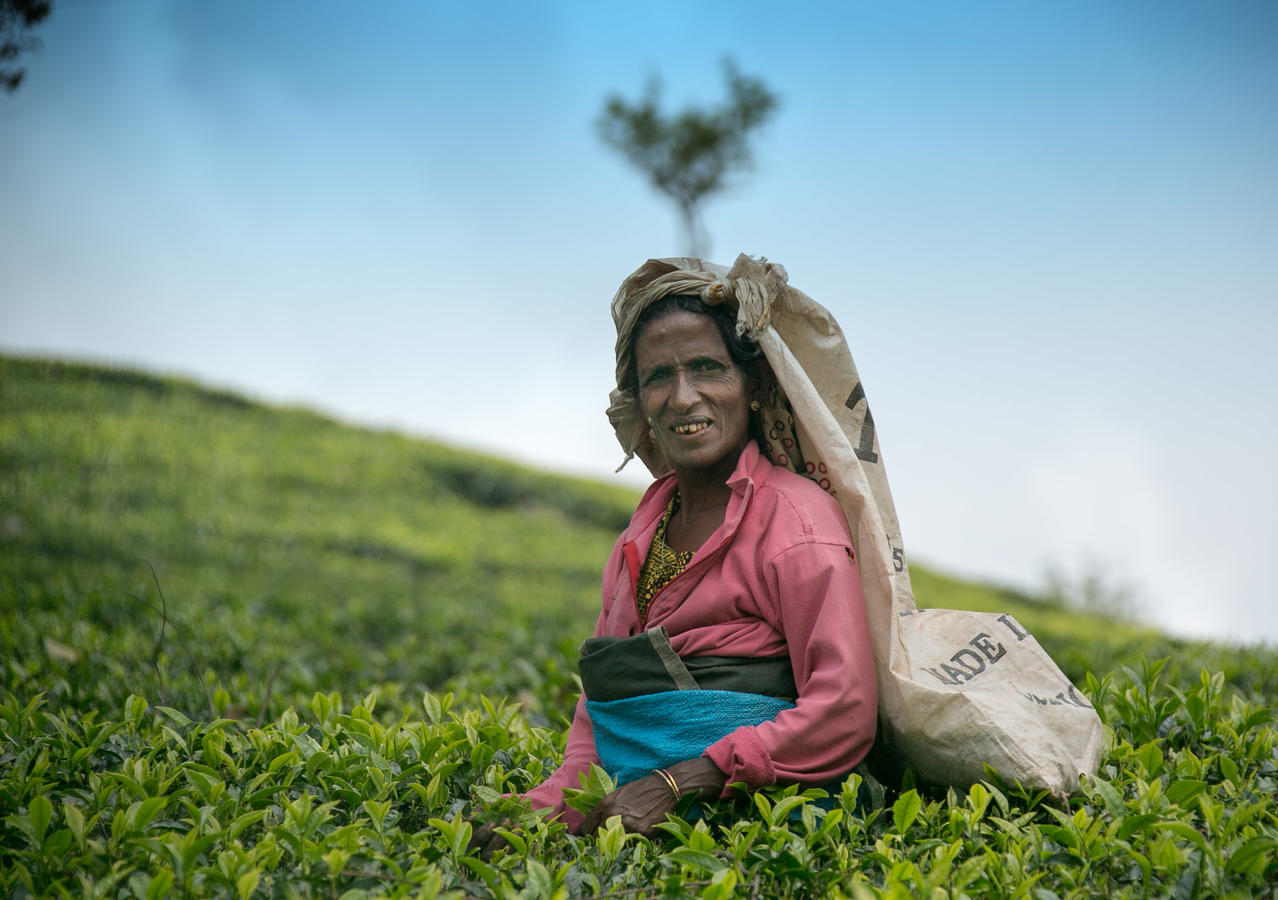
point(754, 405)
point(650, 422)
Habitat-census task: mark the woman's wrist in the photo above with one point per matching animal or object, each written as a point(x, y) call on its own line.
point(699, 777)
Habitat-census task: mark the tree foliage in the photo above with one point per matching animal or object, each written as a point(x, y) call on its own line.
point(688, 156)
point(17, 17)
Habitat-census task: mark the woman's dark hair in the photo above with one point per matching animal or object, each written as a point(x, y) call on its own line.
point(741, 349)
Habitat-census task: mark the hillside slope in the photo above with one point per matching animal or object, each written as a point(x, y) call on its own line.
point(293, 553)
point(350, 638)
point(283, 542)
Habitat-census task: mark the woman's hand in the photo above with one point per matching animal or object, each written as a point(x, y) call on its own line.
point(486, 841)
point(643, 804)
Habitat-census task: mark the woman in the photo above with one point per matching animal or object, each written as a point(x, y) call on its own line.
point(743, 569)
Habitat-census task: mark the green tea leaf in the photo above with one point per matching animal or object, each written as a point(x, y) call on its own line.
point(1132, 824)
point(905, 810)
point(161, 884)
point(516, 840)
point(75, 821)
point(486, 795)
point(722, 885)
point(611, 837)
point(1263, 847)
point(489, 874)
point(134, 707)
point(336, 859)
point(1110, 797)
point(434, 708)
point(377, 811)
point(246, 884)
point(540, 884)
point(1191, 834)
point(1180, 791)
point(697, 859)
point(781, 811)
point(41, 812)
point(239, 823)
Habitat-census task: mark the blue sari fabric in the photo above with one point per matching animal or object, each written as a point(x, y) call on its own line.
point(635, 735)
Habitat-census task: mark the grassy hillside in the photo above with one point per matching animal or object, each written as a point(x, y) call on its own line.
point(184, 574)
point(284, 543)
point(288, 548)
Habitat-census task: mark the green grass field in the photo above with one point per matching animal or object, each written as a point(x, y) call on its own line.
point(252, 651)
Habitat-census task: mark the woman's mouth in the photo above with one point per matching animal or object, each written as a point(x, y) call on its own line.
point(689, 427)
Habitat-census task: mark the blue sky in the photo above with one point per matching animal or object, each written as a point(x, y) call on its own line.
point(1049, 230)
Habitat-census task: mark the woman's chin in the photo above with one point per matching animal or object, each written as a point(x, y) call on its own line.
point(708, 460)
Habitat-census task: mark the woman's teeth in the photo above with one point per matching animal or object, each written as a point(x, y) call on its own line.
point(692, 428)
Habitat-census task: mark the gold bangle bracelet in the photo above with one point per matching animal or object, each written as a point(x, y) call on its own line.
point(670, 782)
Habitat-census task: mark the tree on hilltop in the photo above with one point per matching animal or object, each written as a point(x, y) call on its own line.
point(688, 156)
point(17, 17)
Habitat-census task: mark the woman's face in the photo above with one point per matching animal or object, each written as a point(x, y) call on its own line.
point(695, 395)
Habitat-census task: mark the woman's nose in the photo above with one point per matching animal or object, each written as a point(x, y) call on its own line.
point(684, 391)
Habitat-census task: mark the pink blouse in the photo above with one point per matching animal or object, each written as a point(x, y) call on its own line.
point(777, 578)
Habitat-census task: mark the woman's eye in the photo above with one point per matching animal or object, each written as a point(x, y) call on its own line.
point(710, 365)
point(656, 377)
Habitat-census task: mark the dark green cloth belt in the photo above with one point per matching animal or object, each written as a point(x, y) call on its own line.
point(620, 668)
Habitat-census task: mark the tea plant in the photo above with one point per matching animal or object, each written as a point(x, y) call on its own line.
point(144, 801)
point(253, 653)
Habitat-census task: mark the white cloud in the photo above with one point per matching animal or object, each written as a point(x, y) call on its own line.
point(1097, 499)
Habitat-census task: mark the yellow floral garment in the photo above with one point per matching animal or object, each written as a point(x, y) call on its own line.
point(662, 564)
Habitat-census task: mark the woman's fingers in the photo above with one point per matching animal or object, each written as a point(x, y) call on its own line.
point(642, 805)
point(598, 815)
point(485, 840)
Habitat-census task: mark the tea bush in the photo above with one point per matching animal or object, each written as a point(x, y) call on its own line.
point(251, 652)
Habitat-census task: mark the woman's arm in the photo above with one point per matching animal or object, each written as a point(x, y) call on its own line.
point(578, 755)
point(814, 590)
